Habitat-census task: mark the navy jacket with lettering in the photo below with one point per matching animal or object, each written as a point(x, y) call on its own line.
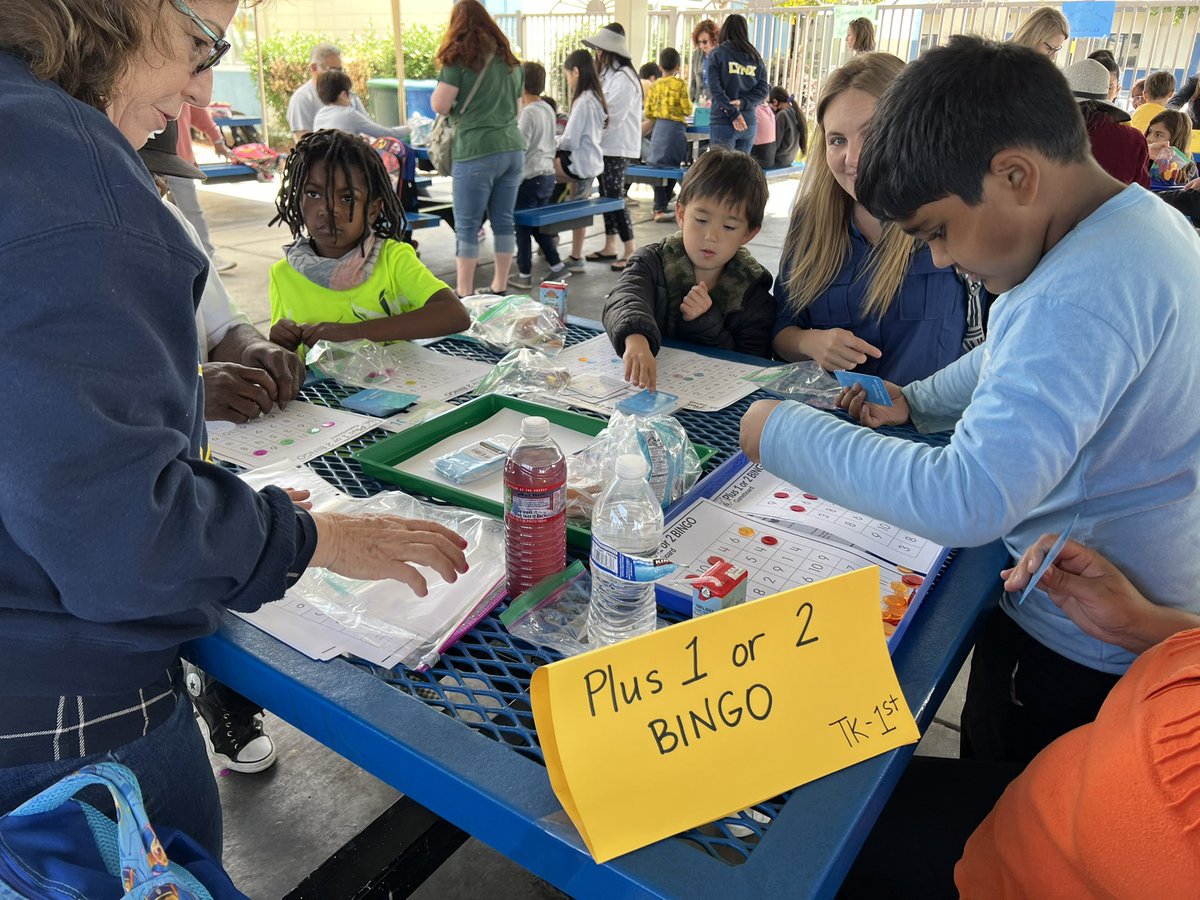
point(732, 75)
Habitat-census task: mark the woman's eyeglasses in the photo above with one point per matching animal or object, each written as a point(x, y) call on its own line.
point(220, 46)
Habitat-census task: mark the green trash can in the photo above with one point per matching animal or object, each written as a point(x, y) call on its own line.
point(382, 97)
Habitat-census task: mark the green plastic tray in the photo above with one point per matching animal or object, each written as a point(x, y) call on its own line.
point(380, 459)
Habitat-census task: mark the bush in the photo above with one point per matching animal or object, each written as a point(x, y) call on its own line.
point(365, 55)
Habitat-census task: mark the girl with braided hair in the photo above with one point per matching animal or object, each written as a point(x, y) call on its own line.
point(348, 275)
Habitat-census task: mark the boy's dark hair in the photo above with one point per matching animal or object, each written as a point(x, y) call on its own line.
point(931, 136)
point(727, 176)
point(668, 59)
point(1105, 58)
point(649, 70)
point(535, 77)
point(1160, 84)
point(550, 102)
point(330, 85)
point(332, 148)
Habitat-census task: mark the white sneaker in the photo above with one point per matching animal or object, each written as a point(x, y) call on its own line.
point(559, 271)
point(221, 264)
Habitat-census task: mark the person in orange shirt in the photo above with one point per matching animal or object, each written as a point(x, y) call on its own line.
point(1109, 809)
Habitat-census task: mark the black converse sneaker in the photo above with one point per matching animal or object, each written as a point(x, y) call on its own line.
point(236, 740)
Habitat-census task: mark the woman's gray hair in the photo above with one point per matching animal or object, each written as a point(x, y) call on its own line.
point(81, 45)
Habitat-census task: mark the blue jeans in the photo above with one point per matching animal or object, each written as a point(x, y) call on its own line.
point(722, 134)
point(535, 191)
point(486, 183)
point(171, 764)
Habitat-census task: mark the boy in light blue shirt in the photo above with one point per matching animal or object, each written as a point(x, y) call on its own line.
point(1082, 400)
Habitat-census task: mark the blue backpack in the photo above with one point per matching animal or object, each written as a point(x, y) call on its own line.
point(59, 848)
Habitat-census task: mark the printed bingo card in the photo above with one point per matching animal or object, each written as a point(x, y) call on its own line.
point(775, 557)
point(758, 493)
point(700, 382)
point(299, 433)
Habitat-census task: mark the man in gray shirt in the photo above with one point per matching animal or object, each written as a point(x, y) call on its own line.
point(303, 106)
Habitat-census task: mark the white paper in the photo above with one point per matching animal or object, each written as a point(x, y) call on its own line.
point(701, 382)
point(506, 421)
point(758, 493)
point(297, 434)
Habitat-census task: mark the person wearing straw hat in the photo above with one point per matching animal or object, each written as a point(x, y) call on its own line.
point(1120, 151)
point(622, 140)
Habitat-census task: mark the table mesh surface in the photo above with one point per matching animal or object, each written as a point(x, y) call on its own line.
point(483, 681)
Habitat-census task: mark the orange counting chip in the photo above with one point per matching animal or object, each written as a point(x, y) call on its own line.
point(746, 531)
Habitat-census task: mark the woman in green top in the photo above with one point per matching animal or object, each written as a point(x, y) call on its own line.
point(489, 153)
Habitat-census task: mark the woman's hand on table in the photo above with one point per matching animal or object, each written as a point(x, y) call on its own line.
point(1096, 596)
point(751, 430)
point(836, 348)
point(854, 400)
point(382, 546)
point(299, 497)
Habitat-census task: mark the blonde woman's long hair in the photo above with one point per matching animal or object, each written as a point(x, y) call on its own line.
point(1042, 25)
point(818, 241)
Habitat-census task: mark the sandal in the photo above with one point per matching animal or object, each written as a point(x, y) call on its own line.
point(619, 266)
point(600, 257)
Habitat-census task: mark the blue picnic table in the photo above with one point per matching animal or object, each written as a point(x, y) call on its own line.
point(460, 740)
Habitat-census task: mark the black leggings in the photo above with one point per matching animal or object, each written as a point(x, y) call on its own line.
point(612, 184)
point(1022, 695)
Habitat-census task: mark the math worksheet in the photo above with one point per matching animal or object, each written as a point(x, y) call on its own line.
point(701, 382)
point(775, 557)
point(413, 369)
point(758, 493)
point(297, 434)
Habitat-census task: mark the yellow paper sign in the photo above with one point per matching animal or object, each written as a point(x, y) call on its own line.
point(690, 724)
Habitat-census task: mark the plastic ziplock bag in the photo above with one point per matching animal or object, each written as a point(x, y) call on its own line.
point(389, 613)
point(522, 373)
point(553, 613)
point(804, 381)
point(518, 320)
point(661, 441)
point(360, 363)
point(420, 125)
point(1172, 167)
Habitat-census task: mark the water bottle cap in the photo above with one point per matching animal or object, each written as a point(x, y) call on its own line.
point(535, 428)
point(631, 465)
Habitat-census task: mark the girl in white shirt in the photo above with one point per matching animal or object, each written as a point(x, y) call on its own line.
point(622, 138)
point(579, 158)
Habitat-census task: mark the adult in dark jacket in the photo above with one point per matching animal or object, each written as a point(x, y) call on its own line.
point(791, 131)
point(118, 540)
point(737, 80)
point(1188, 97)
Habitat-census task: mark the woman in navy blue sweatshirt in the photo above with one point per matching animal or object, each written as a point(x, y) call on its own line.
point(737, 80)
point(118, 540)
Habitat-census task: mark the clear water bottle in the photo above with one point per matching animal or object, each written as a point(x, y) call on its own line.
point(535, 507)
point(627, 522)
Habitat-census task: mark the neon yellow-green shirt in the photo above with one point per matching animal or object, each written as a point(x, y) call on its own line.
point(399, 283)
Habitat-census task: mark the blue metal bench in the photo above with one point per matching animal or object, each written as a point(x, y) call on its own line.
point(227, 170)
point(422, 220)
point(565, 216)
point(663, 174)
